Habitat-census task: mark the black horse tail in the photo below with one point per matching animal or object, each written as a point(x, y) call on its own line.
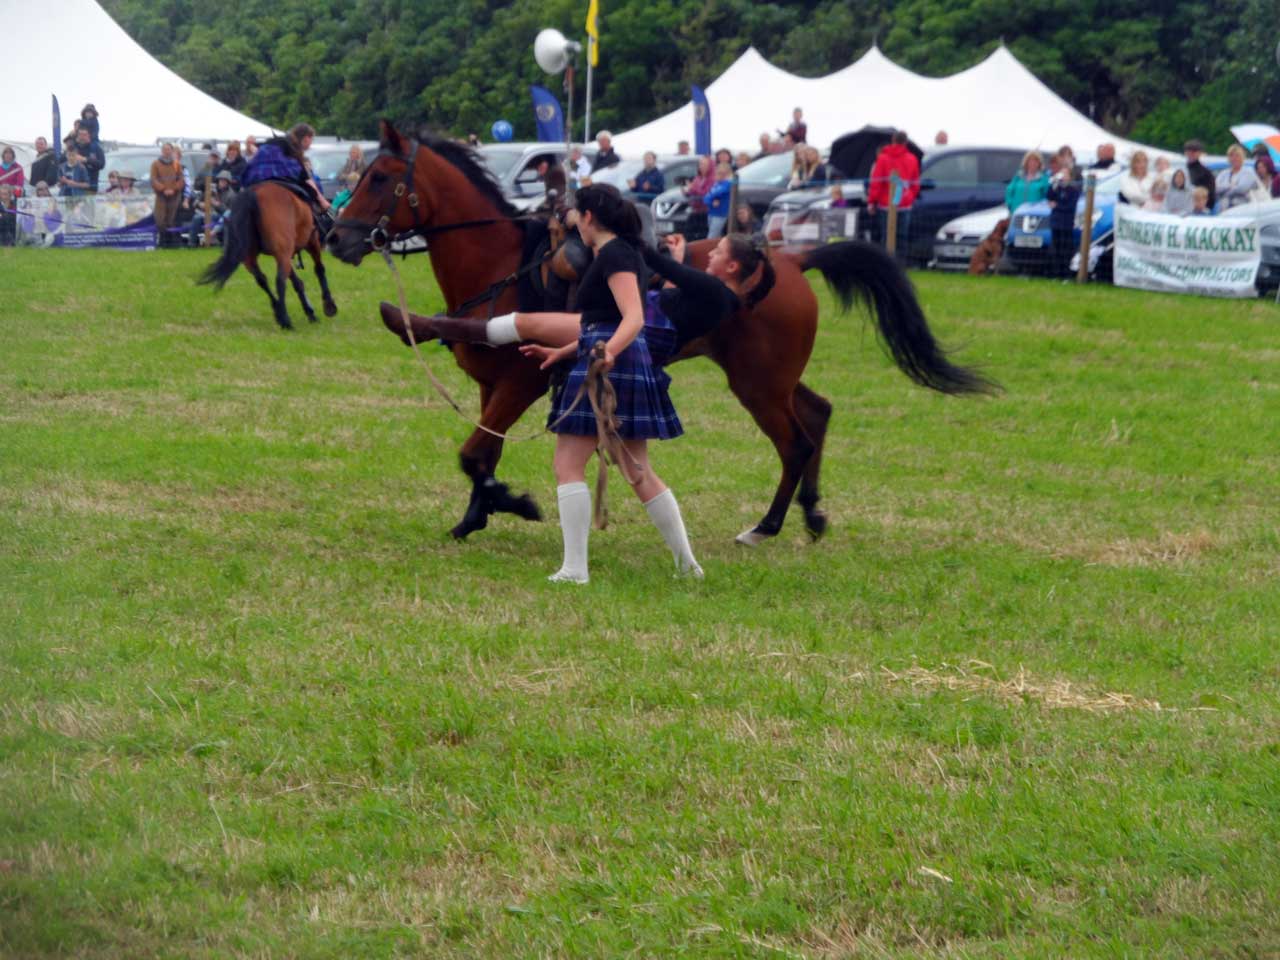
point(860, 271)
point(240, 228)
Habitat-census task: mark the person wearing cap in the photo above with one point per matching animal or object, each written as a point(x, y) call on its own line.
point(1197, 172)
point(124, 184)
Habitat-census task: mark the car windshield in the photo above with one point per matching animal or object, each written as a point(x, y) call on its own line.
point(619, 174)
point(327, 164)
point(770, 171)
point(136, 162)
point(501, 159)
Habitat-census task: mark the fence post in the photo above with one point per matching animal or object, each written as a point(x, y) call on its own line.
point(208, 210)
point(733, 206)
point(891, 227)
point(1086, 229)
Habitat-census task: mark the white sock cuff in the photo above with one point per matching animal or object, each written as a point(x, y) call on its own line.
point(502, 330)
point(653, 501)
point(567, 490)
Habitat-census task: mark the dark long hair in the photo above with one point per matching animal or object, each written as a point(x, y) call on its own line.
point(611, 210)
point(751, 255)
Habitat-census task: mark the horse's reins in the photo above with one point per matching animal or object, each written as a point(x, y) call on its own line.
point(596, 387)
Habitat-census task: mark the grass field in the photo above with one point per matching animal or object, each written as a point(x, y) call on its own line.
point(1020, 702)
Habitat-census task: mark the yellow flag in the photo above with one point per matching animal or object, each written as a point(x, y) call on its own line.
point(593, 31)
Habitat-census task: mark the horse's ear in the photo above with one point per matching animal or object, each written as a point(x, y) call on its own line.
point(389, 137)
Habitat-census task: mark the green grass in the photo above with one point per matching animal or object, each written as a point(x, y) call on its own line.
point(1021, 701)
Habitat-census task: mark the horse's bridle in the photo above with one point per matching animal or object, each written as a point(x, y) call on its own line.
point(378, 238)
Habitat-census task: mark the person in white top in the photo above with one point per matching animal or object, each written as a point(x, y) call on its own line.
point(1135, 185)
point(579, 166)
point(1236, 182)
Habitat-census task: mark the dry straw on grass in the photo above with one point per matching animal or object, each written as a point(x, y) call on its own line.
point(1019, 688)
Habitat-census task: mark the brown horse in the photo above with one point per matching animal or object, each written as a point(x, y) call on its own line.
point(269, 218)
point(437, 189)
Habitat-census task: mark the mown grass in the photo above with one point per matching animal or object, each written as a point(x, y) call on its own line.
point(1021, 702)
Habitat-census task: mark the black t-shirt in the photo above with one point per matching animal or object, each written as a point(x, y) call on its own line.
point(595, 299)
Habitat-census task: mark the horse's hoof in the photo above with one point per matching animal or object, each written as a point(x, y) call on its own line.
point(330, 309)
point(285, 323)
point(313, 318)
point(816, 524)
point(524, 507)
point(753, 537)
point(468, 527)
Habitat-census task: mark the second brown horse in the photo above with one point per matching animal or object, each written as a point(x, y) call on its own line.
point(441, 190)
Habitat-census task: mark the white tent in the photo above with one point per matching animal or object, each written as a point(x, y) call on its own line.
point(73, 49)
point(998, 103)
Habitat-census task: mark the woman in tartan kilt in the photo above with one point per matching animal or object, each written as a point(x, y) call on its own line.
point(612, 305)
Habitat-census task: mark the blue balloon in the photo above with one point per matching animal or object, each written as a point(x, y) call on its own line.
point(501, 131)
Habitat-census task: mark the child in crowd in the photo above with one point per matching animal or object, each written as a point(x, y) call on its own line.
point(1155, 202)
point(1178, 199)
point(72, 175)
point(1200, 203)
point(718, 201)
point(838, 199)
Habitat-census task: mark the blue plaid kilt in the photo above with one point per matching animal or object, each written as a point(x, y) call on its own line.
point(644, 408)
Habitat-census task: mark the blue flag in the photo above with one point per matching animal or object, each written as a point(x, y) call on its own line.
point(547, 115)
point(701, 123)
point(57, 129)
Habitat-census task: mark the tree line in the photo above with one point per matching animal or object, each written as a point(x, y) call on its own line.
point(1159, 71)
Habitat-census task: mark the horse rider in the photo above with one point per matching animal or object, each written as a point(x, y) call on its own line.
point(284, 158)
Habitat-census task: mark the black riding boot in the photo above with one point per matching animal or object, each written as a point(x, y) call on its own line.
point(436, 327)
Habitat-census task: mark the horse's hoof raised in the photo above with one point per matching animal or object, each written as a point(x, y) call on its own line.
point(331, 309)
point(753, 537)
point(524, 507)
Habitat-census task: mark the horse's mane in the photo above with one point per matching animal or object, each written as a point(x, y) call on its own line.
point(470, 166)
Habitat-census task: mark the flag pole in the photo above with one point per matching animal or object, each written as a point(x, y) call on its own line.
point(586, 136)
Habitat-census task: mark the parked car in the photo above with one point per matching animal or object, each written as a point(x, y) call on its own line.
point(758, 184)
point(1267, 213)
point(677, 171)
point(956, 242)
point(954, 182)
point(1029, 241)
point(328, 159)
point(515, 166)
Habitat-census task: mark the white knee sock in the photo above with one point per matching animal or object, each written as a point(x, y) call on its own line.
point(502, 330)
point(575, 525)
point(665, 514)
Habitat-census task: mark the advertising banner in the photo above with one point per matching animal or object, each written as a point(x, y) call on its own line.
point(1209, 256)
point(125, 223)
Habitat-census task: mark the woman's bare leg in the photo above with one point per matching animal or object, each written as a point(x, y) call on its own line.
point(553, 329)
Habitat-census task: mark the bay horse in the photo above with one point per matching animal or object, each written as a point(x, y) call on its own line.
point(268, 218)
point(440, 190)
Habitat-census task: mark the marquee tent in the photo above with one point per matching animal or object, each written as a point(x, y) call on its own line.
point(998, 103)
point(74, 49)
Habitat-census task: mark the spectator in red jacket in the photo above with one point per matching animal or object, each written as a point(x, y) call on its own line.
point(897, 158)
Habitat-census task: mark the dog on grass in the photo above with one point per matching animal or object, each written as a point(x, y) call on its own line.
point(989, 251)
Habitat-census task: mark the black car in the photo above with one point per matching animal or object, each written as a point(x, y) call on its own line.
point(955, 181)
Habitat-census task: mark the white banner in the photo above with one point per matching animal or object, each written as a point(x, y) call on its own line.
point(1210, 256)
point(87, 221)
